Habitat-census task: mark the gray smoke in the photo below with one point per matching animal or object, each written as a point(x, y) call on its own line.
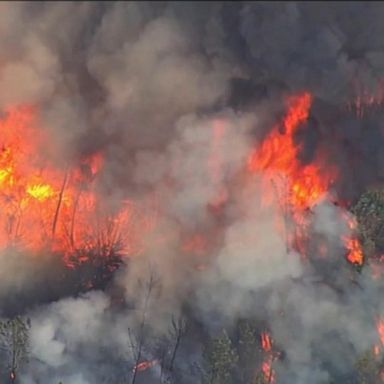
point(175, 96)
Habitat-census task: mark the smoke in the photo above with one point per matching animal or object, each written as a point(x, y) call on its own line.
point(175, 96)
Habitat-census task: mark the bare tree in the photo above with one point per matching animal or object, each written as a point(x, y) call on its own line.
point(137, 343)
point(14, 340)
point(282, 197)
point(59, 202)
point(176, 332)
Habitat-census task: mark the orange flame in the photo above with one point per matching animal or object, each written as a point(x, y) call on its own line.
point(278, 153)
point(43, 205)
point(268, 371)
point(352, 244)
point(355, 253)
point(305, 183)
point(266, 366)
point(266, 342)
point(277, 159)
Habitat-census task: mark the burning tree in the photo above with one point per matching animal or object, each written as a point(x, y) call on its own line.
point(46, 206)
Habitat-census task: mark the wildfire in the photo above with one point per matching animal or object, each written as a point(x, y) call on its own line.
point(278, 154)
point(295, 185)
point(43, 205)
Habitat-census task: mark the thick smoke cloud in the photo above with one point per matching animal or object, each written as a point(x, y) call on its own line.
point(175, 95)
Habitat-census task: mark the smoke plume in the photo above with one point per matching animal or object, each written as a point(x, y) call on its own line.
point(175, 97)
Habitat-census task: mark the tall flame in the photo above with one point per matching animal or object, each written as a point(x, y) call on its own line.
point(278, 154)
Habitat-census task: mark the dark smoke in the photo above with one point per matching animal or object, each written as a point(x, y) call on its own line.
point(143, 83)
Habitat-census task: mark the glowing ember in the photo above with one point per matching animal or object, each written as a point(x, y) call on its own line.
point(266, 342)
point(352, 244)
point(266, 366)
point(145, 365)
point(268, 372)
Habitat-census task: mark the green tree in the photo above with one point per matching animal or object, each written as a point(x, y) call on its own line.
point(220, 359)
point(368, 369)
point(369, 211)
point(248, 347)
